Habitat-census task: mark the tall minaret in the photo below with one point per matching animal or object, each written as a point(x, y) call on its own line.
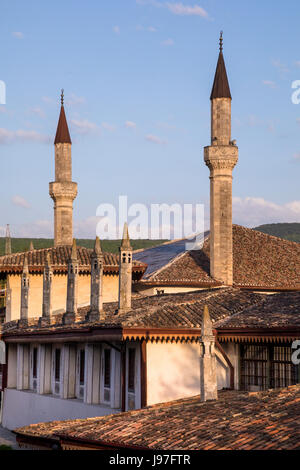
point(221, 157)
point(63, 191)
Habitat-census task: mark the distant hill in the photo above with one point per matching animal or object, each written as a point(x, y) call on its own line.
point(287, 231)
point(22, 244)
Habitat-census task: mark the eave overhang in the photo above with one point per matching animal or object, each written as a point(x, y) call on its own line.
point(269, 335)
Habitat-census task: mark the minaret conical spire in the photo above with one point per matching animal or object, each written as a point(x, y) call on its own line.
point(220, 87)
point(62, 132)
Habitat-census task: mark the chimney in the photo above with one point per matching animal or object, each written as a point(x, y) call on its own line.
point(208, 374)
point(8, 301)
point(47, 293)
point(72, 287)
point(24, 293)
point(7, 241)
point(125, 273)
point(96, 313)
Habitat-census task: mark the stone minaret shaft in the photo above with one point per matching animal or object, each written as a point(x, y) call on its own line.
point(97, 260)
point(125, 273)
point(63, 191)
point(221, 157)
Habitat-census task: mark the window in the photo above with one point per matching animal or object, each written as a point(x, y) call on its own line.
point(81, 366)
point(56, 371)
point(57, 365)
point(34, 363)
point(131, 370)
point(105, 382)
point(267, 366)
point(34, 358)
point(107, 368)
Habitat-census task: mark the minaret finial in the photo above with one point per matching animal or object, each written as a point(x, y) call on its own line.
point(221, 41)
point(62, 97)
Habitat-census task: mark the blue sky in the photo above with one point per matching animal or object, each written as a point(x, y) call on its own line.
point(137, 76)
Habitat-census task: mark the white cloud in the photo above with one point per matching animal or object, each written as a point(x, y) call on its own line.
point(116, 29)
point(108, 127)
point(155, 139)
point(48, 100)
point(20, 201)
point(7, 136)
point(253, 211)
point(168, 42)
point(297, 63)
point(269, 83)
point(85, 127)
point(281, 67)
point(187, 10)
point(130, 125)
point(75, 100)
point(18, 35)
point(38, 111)
point(296, 156)
point(150, 29)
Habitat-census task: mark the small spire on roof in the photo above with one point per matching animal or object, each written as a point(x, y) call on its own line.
point(62, 97)
point(74, 250)
point(206, 329)
point(97, 247)
point(48, 259)
point(125, 240)
point(31, 247)
point(25, 265)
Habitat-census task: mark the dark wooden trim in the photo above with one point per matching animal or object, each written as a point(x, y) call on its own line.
point(229, 363)
point(143, 373)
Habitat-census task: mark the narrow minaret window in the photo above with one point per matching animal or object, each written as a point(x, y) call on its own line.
point(63, 191)
point(97, 260)
point(125, 273)
point(47, 292)
point(221, 157)
point(7, 241)
point(72, 287)
point(24, 290)
point(208, 374)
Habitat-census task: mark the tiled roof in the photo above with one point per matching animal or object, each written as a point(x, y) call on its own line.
point(167, 311)
point(277, 311)
point(59, 257)
point(259, 261)
point(237, 421)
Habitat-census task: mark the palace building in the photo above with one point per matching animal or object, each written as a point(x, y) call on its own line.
point(192, 323)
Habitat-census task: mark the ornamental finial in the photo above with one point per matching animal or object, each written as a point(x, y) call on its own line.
point(221, 41)
point(62, 97)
